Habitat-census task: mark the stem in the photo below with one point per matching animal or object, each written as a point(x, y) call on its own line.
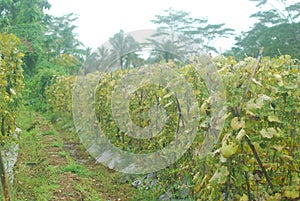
point(248, 186)
point(247, 137)
point(228, 180)
point(3, 126)
point(252, 76)
point(180, 117)
point(259, 162)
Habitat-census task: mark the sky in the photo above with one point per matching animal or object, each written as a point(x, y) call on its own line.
point(99, 20)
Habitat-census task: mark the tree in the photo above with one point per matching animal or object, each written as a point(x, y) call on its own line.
point(26, 19)
point(61, 38)
point(46, 39)
point(97, 60)
point(277, 30)
point(170, 41)
point(123, 48)
point(61, 46)
point(180, 35)
point(206, 34)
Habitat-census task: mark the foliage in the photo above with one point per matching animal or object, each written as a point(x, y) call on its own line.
point(35, 92)
point(264, 131)
point(61, 39)
point(277, 40)
point(59, 95)
point(44, 38)
point(257, 154)
point(26, 19)
point(179, 35)
point(123, 50)
point(11, 84)
point(277, 30)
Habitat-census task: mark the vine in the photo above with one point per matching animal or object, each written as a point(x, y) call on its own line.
point(257, 154)
point(11, 85)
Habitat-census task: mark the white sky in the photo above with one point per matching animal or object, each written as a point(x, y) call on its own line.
point(99, 20)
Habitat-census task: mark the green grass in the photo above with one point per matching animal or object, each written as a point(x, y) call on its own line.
point(63, 154)
point(76, 169)
point(48, 133)
point(57, 144)
point(38, 177)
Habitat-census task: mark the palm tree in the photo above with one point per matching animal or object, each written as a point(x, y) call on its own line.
point(123, 48)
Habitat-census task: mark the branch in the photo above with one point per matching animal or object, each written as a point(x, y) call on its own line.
point(259, 162)
point(251, 78)
point(247, 137)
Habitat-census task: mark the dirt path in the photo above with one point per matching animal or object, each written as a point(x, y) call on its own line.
point(53, 165)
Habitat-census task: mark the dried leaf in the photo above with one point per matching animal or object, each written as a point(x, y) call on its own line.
point(240, 135)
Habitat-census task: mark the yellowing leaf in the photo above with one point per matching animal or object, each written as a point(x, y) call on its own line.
point(168, 104)
point(220, 176)
point(197, 188)
point(229, 150)
point(278, 147)
point(268, 133)
point(291, 192)
point(273, 118)
point(12, 91)
point(244, 198)
point(197, 92)
point(168, 95)
point(236, 124)
point(258, 102)
point(276, 197)
point(204, 107)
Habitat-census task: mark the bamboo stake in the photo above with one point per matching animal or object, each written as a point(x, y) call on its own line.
point(4, 180)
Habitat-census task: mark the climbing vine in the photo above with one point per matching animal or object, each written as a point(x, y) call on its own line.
point(257, 153)
point(11, 85)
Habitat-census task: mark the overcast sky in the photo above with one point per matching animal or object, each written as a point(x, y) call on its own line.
point(99, 20)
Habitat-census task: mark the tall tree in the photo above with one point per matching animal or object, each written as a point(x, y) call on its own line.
point(277, 30)
point(206, 34)
point(61, 38)
point(179, 34)
point(26, 19)
point(123, 49)
point(61, 45)
point(170, 41)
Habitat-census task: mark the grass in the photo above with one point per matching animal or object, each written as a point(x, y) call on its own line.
point(48, 133)
point(63, 154)
point(57, 144)
point(46, 170)
point(76, 169)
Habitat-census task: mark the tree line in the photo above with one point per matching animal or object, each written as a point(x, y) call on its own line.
point(52, 42)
